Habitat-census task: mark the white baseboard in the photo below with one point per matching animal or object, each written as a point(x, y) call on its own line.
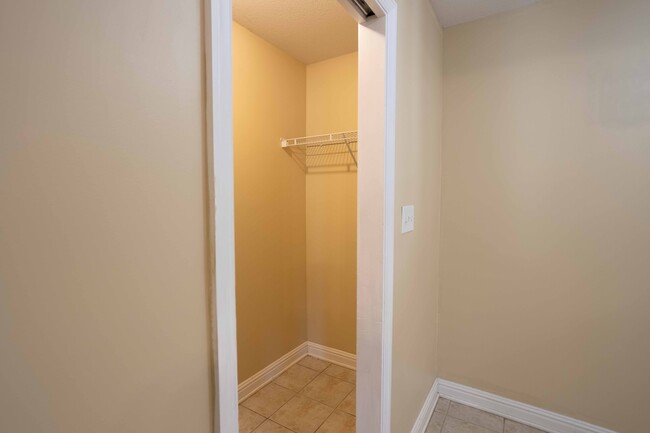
point(426, 412)
point(526, 414)
point(251, 385)
point(334, 356)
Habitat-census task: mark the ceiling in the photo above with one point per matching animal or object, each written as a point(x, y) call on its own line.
point(315, 30)
point(309, 30)
point(452, 12)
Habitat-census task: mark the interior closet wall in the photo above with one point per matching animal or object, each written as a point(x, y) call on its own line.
point(269, 103)
point(332, 210)
point(546, 207)
point(104, 278)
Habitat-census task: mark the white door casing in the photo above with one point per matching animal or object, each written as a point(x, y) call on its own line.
point(376, 202)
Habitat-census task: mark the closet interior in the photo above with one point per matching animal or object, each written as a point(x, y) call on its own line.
point(295, 164)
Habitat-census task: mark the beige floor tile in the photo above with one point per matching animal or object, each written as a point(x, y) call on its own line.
point(270, 427)
point(314, 363)
point(515, 427)
point(349, 403)
point(342, 373)
point(268, 399)
point(296, 377)
point(248, 420)
point(453, 425)
point(475, 416)
point(327, 390)
point(302, 414)
point(442, 405)
point(435, 423)
point(339, 422)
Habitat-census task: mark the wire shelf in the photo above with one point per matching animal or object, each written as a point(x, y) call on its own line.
point(324, 152)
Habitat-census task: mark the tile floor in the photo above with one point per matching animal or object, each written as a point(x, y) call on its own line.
point(452, 417)
point(313, 396)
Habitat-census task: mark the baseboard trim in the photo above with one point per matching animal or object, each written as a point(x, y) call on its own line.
point(254, 383)
point(251, 385)
point(526, 414)
point(335, 356)
point(426, 412)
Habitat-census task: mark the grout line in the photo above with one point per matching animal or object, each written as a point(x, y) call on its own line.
point(477, 425)
point(346, 396)
point(447, 416)
point(253, 411)
point(342, 380)
point(444, 421)
point(296, 393)
point(321, 371)
point(324, 421)
point(276, 376)
point(277, 423)
point(283, 387)
point(313, 399)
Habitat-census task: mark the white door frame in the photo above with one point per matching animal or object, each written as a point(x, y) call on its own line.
point(376, 214)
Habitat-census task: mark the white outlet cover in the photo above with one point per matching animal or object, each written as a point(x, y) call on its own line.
point(408, 218)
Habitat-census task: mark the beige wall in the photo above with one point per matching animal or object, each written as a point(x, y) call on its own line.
point(418, 147)
point(332, 210)
point(546, 207)
point(103, 265)
point(269, 103)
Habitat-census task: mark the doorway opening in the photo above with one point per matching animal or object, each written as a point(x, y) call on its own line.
point(295, 165)
point(302, 202)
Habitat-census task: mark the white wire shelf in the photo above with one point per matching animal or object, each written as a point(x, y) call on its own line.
point(325, 152)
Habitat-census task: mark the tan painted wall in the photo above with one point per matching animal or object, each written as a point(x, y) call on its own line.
point(546, 207)
point(332, 210)
point(269, 103)
point(103, 254)
point(418, 147)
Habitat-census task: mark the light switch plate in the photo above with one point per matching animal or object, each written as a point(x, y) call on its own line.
point(408, 218)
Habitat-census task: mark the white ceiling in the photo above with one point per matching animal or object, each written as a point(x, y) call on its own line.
point(452, 12)
point(309, 30)
point(315, 30)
